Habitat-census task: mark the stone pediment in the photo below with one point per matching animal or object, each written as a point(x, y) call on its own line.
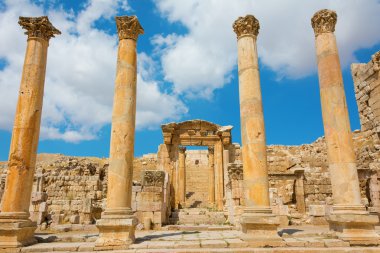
point(195, 133)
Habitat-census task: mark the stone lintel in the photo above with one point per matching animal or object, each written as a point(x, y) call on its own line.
point(128, 27)
point(246, 26)
point(38, 27)
point(324, 21)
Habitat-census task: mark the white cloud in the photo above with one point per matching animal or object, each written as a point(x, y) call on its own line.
point(202, 60)
point(80, 73)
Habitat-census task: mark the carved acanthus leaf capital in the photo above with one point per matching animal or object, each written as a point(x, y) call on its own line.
point(38, 27)
point(247, 25)
point(128, 27)
point(153, 178)
point(324, 21)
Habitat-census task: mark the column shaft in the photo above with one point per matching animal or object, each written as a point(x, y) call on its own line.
point(123, 128)
point(15, 227)
point(26, 129)
point(117, 224)
point(258, 221)
point(211, 177)
point(349, 218)
point(182, 177)
point(252, 125)
point(340, 148)
point(218, 151)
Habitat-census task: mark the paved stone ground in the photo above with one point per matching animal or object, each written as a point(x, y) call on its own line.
point(295, 239)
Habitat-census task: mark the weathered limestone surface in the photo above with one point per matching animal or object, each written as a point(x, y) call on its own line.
point(15, 227)
point(117, 225)
point(349, 218)
point(257, 219)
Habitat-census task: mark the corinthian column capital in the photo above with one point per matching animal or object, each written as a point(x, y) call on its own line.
point(128, 27)
point(324, 21)
point(38, 27)
point(247, 25)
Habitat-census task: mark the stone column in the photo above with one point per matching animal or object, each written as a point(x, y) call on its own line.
point(182, 177)
point(300, 191)
point(226, 161)
point(218, 158)
point(349, 218)
point(16, 229)
point(257, 219)
point(211, 177)
point(117, 224)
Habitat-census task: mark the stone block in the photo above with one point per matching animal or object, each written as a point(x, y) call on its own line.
point(317, 210)
point(74, 219)
point(149, 206)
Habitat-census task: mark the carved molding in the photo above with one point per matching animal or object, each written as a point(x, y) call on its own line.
point(324, 21)
point(211, 149)
point(38, 27)
point(128, 27)
point(235, 171)
point(153, 178)
point(247, 25)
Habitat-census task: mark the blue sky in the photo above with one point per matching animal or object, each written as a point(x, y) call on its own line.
point(187, 67)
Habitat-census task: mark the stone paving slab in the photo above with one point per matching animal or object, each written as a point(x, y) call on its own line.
point(199, 241)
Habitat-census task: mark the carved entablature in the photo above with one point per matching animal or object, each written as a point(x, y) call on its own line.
point(128, 27)
point(235, 171)
point(247, 25)
point(324, 21)
point(38, 27)
point(196, 133)
point(376, 61)
point(153, 178)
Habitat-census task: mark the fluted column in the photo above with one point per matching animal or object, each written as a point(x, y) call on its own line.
point(182, 177)
point(117, 224)
point(340, 148)
point(252, 128)
point(25, 135)
point(211, 177)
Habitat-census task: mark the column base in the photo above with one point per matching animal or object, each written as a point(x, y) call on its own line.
point(259, 227)
point(16, 230)
point(116, 229)
point(354, 224)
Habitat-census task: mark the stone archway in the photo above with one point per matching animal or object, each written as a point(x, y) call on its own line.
point(171, 157)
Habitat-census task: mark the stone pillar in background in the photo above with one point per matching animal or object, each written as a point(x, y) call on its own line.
point(258, 222)
point(211, 177)
point(218, 164)
point(300, 191)
point(226, 161)
point(374, 191)
point(349, 218)
point(117, 224)
point(182, 177)
point(16, 229)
